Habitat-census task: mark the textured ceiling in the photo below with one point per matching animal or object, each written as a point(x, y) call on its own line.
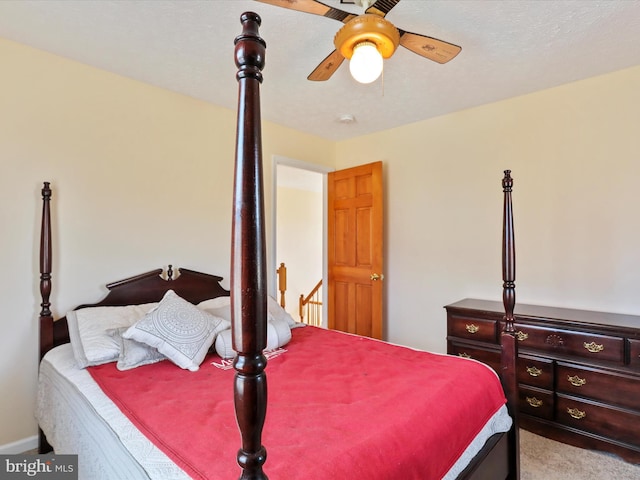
point(509, 48)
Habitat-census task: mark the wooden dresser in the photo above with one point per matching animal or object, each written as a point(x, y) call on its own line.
point(578, 371)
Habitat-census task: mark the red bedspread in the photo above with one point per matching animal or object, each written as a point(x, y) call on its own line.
point(340, 407)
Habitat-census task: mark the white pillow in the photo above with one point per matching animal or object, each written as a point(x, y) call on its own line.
point(220, 307)
point(223, 345)
point(179, 330)
point(91, 343)
point(278, 335)
point(278, 312)
point(134, 354)
point(217, 302)
point(74, 339)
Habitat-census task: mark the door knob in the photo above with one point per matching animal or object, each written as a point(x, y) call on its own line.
point(375, 277)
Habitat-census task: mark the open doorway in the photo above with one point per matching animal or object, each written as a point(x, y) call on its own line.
point(300, 230)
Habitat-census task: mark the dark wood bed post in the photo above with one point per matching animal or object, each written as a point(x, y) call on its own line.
point(508, 337)
point(248, 257)
point(46, 319)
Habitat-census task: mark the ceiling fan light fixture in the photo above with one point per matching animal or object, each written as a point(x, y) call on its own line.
point(366, 62)
point(366, 40)
point(370, 28)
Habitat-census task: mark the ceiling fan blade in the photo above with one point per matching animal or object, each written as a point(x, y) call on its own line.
point(382, 7)
point(327, 67)
point(314, 7)
point(429, 47)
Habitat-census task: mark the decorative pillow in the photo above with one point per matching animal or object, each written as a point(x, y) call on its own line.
point(278, 335)
point(179, 330)
point(134, 354)
point(91, 343)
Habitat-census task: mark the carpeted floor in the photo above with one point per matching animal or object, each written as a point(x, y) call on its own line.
point(544, 459)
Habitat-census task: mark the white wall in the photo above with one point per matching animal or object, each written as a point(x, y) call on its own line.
point(574, 152)
point(299, 242)
point(141, 178)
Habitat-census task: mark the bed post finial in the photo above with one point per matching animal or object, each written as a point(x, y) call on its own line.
point(46, 319)
point(250, 48)
point(508, 341)
point(248, 255)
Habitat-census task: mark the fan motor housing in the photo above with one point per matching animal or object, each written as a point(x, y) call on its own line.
point(371, 28)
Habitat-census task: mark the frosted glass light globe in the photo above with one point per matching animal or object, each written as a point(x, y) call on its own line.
point(366, 63)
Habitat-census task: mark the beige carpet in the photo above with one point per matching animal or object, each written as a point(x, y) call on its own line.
point(544, 459)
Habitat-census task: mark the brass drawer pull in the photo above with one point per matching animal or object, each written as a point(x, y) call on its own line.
point(521, 336)
point(472, 328)
point(576, 381)
point(534, 402)
point(575, 413)
point(594, 347)
point(534, 372)
point(464, 355)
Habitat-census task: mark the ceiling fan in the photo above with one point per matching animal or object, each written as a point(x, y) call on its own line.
point(368, 38)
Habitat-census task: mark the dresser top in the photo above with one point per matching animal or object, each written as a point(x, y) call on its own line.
point(538, 311)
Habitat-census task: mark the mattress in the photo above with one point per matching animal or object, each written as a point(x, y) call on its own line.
point(78, 418)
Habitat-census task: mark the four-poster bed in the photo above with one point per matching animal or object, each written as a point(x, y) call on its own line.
point(325, 391)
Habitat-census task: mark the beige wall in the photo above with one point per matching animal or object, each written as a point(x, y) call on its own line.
point(575, 156)
point(141, 178)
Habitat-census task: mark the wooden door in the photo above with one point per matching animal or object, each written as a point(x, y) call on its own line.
point(355, 250)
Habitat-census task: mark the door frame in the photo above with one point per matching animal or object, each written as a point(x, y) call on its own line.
point(312, 167)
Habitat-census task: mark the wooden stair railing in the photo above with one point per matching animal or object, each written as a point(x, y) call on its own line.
point(311, 307)
point(282, 282)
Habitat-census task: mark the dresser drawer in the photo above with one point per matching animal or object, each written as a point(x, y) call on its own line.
point(610, 387)
point(536, 402)
point(615, 423)
point(634, 351)
point(535, 371)
point(480, 330)
point(579, 344)
point(484, 355)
